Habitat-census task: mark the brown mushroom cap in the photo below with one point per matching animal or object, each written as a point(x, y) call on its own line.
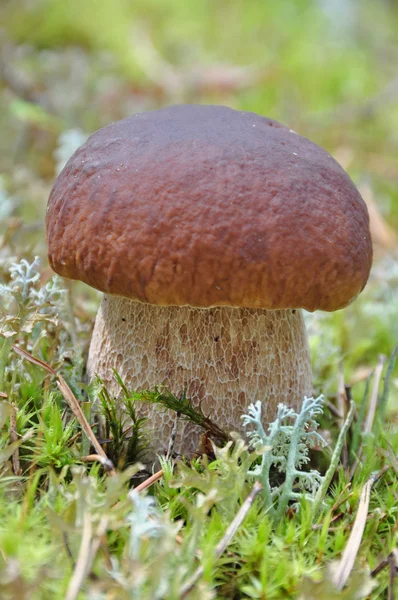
point(209, 206)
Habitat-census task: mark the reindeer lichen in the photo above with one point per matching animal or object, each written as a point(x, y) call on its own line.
point(284, 447)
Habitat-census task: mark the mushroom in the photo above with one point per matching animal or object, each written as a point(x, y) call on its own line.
point(207, 229)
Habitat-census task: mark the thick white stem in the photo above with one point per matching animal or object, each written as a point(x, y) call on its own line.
point(225, 358)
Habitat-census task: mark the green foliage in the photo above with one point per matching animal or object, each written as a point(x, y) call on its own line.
point(125, 431)
point(183, 407)
point(143, 547)
point(224, 478)
point(54, 437)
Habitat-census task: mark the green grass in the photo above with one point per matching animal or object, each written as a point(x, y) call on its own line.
point(70, 526)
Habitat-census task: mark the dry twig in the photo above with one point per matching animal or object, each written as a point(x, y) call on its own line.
point(150, 481)
point(392, 562)
point(105, 462)
point(393, 574)
point(89, 546)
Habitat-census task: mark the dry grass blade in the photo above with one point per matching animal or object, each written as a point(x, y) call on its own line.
point(70, 399)
point(89, 546)
point(148, 482)
point(373, 402)
point(387, 380)
point(341, 394)
point(16, 467)
point(229, 534)
point(350, 553)
point(335, 411)
point(342, 402)
point(144, 485)
point(374, 395)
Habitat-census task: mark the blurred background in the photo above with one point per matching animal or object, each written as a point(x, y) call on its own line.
point(326, 68)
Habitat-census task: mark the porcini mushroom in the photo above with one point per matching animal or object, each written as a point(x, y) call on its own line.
point(207, 229)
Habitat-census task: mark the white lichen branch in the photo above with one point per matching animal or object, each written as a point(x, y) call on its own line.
point(284, 448)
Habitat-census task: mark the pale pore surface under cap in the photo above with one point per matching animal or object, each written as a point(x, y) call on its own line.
point(224, 357)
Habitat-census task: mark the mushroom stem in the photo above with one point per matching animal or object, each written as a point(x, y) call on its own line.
point(224, 357)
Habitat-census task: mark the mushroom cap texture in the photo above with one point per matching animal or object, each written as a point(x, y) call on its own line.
point(208, 206)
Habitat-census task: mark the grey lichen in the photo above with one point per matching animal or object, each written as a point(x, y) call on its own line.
point(285, 447)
